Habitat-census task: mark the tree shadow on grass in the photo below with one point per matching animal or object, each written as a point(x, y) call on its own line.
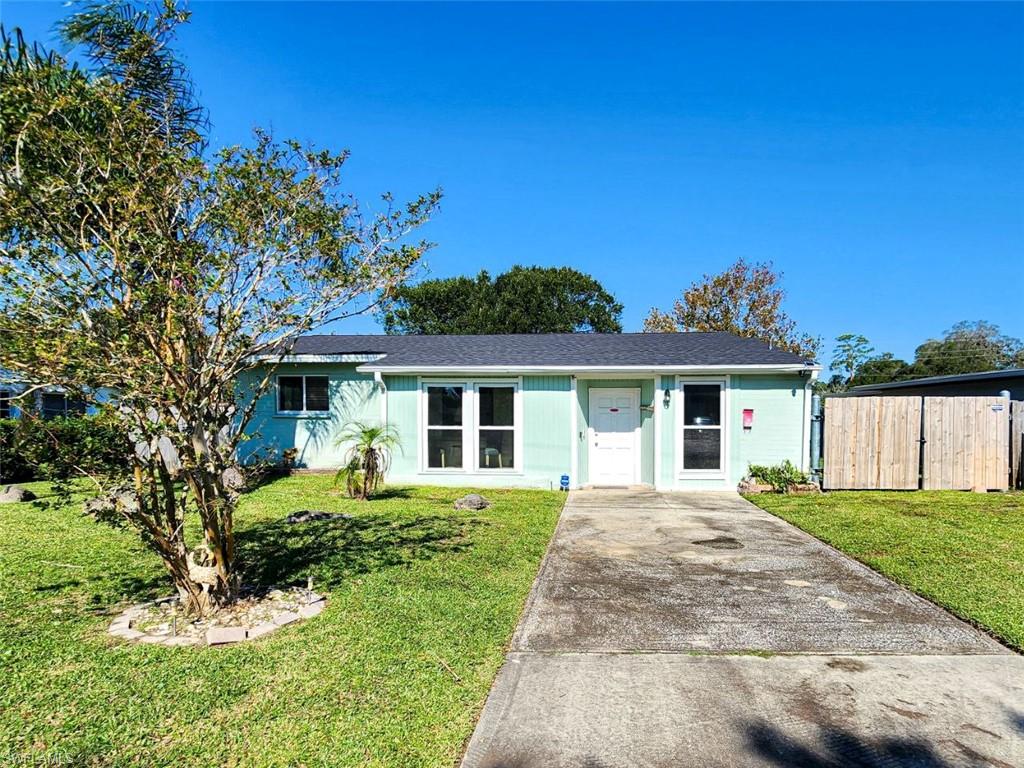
point(837, 747)
point(335, 549)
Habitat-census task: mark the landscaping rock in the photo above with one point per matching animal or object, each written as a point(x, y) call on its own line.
point(261, 629)
point(13, 494)
point(310, 515)
point(225, 635)
point(804, 489)
point(472, 501)
point(313, 609)
point(752, 486)
point(283, 619)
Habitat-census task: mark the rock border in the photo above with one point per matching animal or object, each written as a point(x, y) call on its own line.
point(122, 626)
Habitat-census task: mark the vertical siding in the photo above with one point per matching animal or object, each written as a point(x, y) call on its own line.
point(777, 434)
point(547, 427)
point(403, 419)
point(668, 431)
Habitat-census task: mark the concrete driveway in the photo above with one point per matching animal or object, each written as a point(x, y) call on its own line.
point(696, 629)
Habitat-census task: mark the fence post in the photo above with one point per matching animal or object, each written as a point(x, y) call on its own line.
point(1005, 394)
point(921, 441)
point(816, 420)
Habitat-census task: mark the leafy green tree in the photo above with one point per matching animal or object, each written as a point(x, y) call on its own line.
point(745, 299)
point(968, 347)
point(849, 353)
point(135, 261)
point(522, 300)
point(881, 369)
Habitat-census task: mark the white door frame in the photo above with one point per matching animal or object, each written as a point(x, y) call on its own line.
point(634, 393)
point(681, 473)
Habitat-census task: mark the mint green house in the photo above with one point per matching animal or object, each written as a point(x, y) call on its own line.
point(673, 411)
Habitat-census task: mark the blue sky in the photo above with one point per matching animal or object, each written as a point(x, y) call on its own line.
point(874, 153)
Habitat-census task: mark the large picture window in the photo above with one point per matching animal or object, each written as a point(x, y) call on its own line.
point(444, 427)
point(702, 426)
point(471, 426)
point(303, 394)
point(496, 427)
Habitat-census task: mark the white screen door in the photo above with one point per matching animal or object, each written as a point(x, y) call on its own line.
point(614, 433)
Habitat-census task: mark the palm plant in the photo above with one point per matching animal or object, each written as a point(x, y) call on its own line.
point(367, 459)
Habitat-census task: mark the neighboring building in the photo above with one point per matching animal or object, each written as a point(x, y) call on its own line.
point(49, 402)
point(667, 410)
point(986, 383)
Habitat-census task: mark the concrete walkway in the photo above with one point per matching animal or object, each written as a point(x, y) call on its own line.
point(696, 629)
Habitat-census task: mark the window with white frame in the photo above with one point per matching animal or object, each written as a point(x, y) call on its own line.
point(303, 394)
point(496, 427)
point(5, 404)
point(445, 436)
point(702, 438)
point(471, 426)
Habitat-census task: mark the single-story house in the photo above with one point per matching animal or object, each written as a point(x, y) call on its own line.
point(665, 410)
point(982, 384)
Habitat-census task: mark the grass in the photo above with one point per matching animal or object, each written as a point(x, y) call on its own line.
point(963, 551)
point(423, 600)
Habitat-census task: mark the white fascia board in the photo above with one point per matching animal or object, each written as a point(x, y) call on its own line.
point(586, 370)
point(320, 358)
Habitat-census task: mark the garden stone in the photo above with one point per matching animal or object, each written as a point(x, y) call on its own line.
point(261, 629)
point(313, 609)
point(13, 494)
point(224, 635)
point(288, 617)
point(472, 501)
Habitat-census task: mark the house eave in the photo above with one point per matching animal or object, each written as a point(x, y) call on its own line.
point(587, 370)
point(344, 358)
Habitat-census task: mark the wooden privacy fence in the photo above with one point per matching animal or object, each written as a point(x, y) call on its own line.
point(904, 443)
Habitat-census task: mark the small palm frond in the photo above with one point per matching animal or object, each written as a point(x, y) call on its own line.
point(130, 43)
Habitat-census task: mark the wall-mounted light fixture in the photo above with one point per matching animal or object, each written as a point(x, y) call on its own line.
point(668, 398)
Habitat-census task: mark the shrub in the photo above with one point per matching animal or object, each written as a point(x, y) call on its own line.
point(778, 476)
point(35, 449)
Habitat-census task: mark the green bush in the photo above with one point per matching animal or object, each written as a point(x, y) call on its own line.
point(38, 449)
point(778, 476)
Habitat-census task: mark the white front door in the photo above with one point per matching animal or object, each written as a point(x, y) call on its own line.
point(614, 433)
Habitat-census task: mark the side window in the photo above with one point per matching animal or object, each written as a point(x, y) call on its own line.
point(302, 394)
point(496, 428)
point(444, 427)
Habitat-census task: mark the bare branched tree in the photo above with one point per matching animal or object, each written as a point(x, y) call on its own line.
point(745, 299)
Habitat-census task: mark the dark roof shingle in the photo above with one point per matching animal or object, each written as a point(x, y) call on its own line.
point(553, 349)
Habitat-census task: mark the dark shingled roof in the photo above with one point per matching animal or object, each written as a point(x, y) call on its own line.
point(549, 349)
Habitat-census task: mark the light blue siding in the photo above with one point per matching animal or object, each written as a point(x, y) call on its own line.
point(547, 435)
point(353, 397)
point(778, 402)
point(547, 428)
point(403, 418)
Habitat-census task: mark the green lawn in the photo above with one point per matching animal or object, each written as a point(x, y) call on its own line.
point(423, 600)
point(964, 551)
